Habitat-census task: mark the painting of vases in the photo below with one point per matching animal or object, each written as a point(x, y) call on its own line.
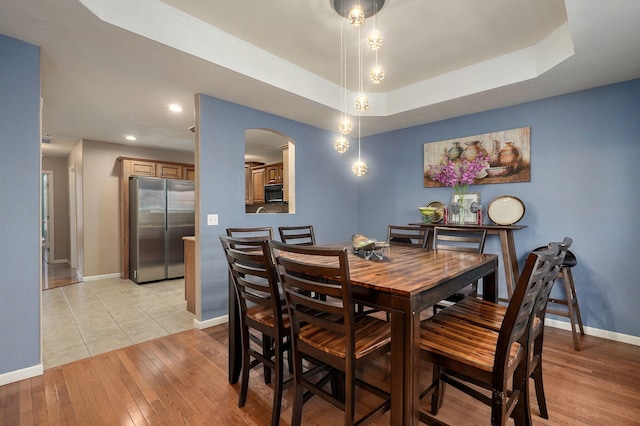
point(506, 153)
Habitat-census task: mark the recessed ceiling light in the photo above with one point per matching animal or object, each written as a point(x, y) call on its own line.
point(130, 138)
point(175, 108)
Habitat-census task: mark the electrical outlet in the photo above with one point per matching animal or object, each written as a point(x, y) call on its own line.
point(212, 219)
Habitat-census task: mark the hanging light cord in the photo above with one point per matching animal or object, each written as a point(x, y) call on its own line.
point(360, 80)
point(343, 70)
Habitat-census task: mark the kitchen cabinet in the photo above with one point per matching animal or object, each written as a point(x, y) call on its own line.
point(248, 185)
point(140, 168)
point(257, 183)
point(248, 181)
point(136, 167)
point(169, 171)
point(274, 173)
point(189, 173)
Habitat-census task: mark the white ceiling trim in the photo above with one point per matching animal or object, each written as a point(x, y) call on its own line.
point(172, 27)
point(501, 71)
point(165, 24)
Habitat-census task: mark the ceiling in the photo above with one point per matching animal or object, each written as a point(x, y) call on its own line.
point(110, 68)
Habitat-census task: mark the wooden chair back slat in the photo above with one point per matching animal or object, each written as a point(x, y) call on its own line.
point(253, 273)
point(301, 235)
point(408, 235)
point(469, 240)
point(265, 231)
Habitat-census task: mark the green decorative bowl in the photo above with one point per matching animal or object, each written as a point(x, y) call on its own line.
point(432, 212)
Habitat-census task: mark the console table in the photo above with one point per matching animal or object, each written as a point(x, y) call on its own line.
point(505, 232)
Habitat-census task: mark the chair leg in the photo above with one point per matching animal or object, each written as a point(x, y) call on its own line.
point(267, 343)
point(536, 375)
point(522, 411)
point(246, 367)
point(349, 401)
point(277, 391)
point(437, 397)
point(574, 307)
point(298, 400)
point(290, 359)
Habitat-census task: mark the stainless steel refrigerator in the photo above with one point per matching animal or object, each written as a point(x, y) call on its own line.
point(161, 212)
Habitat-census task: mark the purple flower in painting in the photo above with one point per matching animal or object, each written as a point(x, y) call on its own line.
point(459, 175)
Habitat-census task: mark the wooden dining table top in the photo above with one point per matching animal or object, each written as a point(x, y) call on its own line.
point(408, 270)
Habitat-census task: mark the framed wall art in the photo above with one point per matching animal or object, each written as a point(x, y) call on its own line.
point(506, 155)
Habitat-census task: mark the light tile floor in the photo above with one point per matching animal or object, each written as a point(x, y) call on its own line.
point(85, 319)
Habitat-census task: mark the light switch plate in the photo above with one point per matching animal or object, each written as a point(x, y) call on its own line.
point(212, 219)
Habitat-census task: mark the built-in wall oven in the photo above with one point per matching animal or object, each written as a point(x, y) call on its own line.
point(274, 193)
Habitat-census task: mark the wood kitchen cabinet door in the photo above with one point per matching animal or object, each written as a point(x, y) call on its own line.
point(258, 179)
point(169, 171)
point(271, 175)
point(280, 173)
point(274, 174)
point(189, 173)
point(141, 168)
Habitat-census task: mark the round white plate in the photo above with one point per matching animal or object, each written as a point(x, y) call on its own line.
point(506, 210)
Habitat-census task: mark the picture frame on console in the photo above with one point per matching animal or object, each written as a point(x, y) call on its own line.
point(468, 199)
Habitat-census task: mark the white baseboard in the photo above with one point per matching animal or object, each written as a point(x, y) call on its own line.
point(101, 277)
point(17, 375)
point(596, 332)
point(62, 261)
point(210, 322)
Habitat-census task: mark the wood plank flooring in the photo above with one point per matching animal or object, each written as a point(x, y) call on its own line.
point(57, 275)
point(182, 379)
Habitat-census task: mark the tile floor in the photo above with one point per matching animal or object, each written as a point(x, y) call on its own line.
point(85, 319)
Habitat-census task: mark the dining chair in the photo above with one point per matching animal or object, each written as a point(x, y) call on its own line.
point(464, 353)
point(490, 315)
point(262, 310)
point(407, 234)
point(458, 239)
point(327, 329)
point(302, 235)
point(256, 233)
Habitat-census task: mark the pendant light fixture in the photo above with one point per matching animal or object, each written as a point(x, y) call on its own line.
point(345, 126)
point(374, 41)
point(359, 168)
point(356, 11)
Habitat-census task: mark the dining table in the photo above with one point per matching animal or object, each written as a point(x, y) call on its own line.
point(405, 282)
point(507, 246)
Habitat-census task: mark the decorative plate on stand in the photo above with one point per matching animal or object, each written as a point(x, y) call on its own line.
point(506, 210)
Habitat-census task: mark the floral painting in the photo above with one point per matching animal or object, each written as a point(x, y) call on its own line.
point(497, 157)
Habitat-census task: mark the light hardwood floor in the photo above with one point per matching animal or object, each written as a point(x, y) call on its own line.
point(182, 379)
point(57, 275)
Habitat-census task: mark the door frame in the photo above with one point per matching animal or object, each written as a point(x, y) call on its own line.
point(73, 248)
point(48, 215)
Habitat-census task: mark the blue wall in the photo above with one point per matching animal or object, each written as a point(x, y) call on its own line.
point(19, 215)
point(326, 190)
point(584, 179)
point(585, 152)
